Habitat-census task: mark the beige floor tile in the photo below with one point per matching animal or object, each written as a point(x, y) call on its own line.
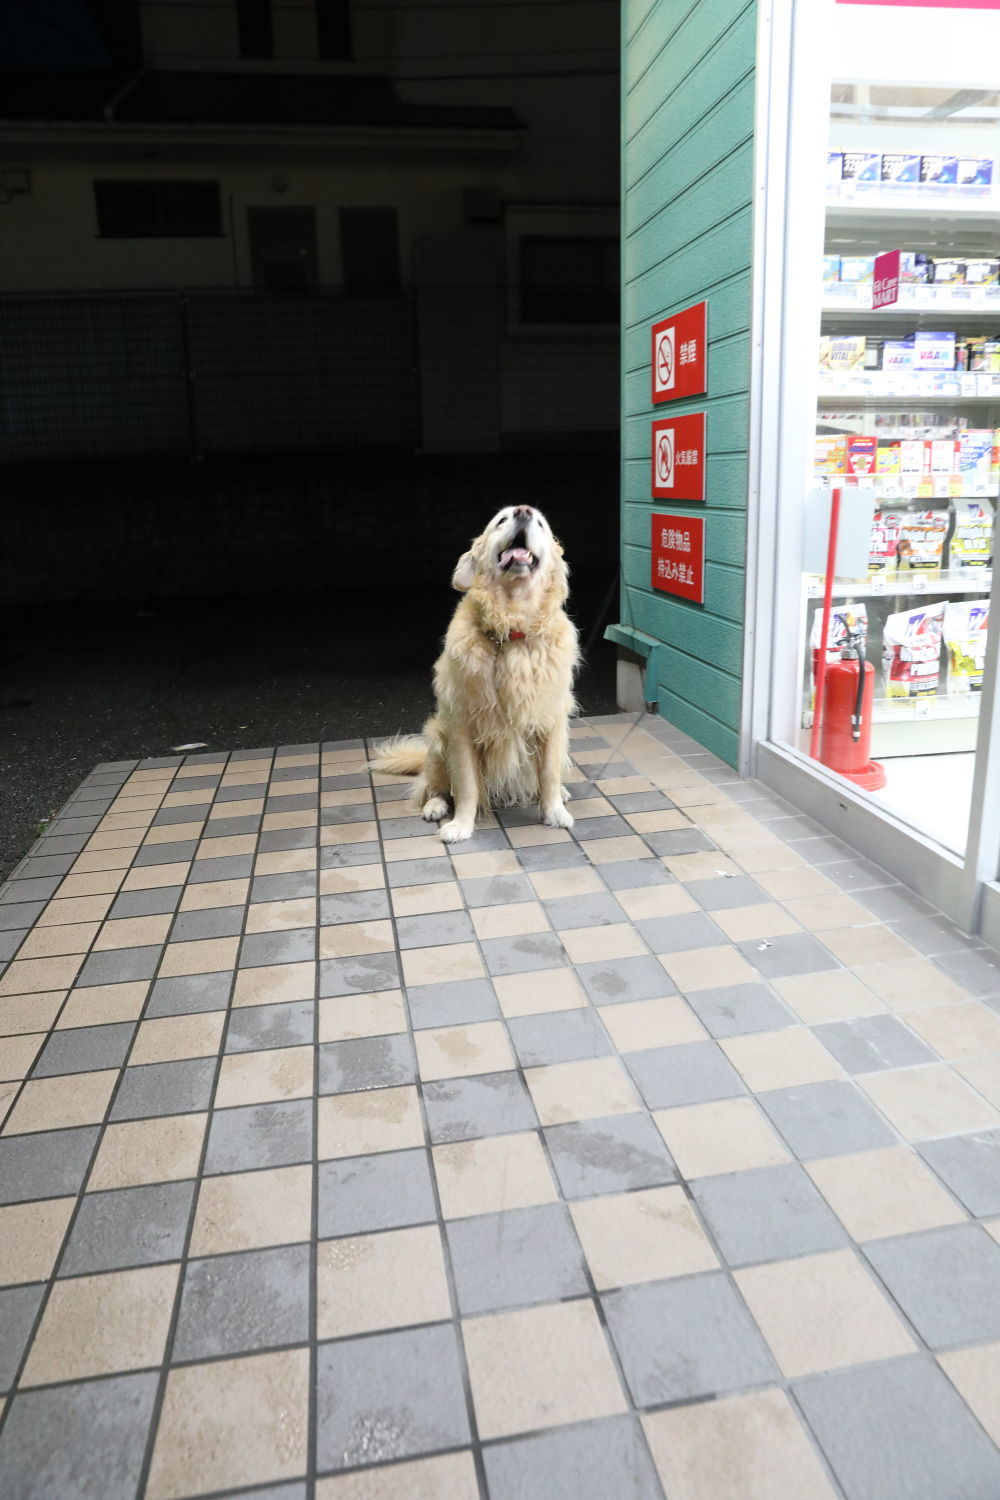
point(929, 1101)
point(265, 1077)
point(304, 818)
point(135, 1152)
point(123, 840)
point(591, 807)
point(686, 867)
point(656, 901)
point(491, 862)
point(232, 1423)
point(30, 1237)
point(379, 1120)
point(834, 995)
point(246, 807)
point(351, 878)
point(531, 835)
point(300, 787)
point(346, 939)
point(175, 1037)
point(298, 758)
point(202, 768)
point(208, 894)
point(658, 822)
point(639, 1024)
point(427, 847)
point(605, 943)
point(909, 983)
point(205, 956)
point(513, 920)
point(56, 942)
point(224, 848)
point(366, 833)
point(144, 802)
point(97, 1325)
point(708, 968)
point(612, 851)
point(866, 945)
point(285, 862)
point(388, 1280)
point(492, 1174)
point(449, 961)
point(879, 1193)
point(20, 1014)
point(33, 974)
point(772, 855)
point(749, 1447)
point(982, 1072)
point(822, 1312)
point(786, 885)
point(251, 1210)
point(621, 786)
point(17, 1053)
point(100, 882)
point(189, 799)
point(152, 877)
point(421, 900)
point(729, 1135)
point(104, 1004)
point(280, 916)
point(780, 1059)
point(818, 913)
point(765, 920)
point(549, 885)
point(75, 909)
point(544, 990)
point(686, 793)
point(975, 1374)
point(344, 1017)
point(540, 1367)
point(350, 796)
point(272, 984)
point(461, 1051)
point(963, 1030)
point(452, 1476)
point(8, 1093)
point(591, 1089)
point(641, 1236)
point(93, 861)
point(56, 1103)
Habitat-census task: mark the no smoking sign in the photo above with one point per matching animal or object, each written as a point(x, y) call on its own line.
point(679, 362)
point(678, 458)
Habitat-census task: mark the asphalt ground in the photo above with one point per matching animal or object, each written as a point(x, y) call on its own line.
point(80, 684)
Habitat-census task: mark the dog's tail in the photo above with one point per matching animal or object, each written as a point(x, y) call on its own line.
point(402, 756)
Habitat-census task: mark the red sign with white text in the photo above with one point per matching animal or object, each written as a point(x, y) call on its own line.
point(678, 557)
point(885, 287)
point(679, 457)
point(679, 355)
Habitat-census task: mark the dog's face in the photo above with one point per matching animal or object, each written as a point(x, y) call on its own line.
point(516, 549)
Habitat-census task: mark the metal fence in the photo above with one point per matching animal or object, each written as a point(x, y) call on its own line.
point(91, 375)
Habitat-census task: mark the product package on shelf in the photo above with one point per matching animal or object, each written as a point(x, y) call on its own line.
point(965, 625)
point(846, 621)
point(971, 546)
point(911, 652)
point(920, 547)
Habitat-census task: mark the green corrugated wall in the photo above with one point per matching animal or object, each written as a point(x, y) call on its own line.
point(687, 183)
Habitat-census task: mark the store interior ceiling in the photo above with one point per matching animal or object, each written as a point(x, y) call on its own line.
point(861, 102)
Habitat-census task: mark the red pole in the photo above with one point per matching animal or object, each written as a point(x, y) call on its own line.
point(824, 634)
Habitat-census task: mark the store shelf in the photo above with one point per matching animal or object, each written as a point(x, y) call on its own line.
point(900, 490)
point(848, 298)
point(906, 584)
point(864, 395)
point(915, 204)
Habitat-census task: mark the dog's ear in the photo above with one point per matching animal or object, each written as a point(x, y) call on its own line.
point(465, 572)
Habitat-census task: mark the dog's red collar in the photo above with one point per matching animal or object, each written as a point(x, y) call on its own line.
point(498, 640)
point(515, 635)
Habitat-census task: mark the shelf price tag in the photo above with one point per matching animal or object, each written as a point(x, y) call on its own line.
point(920, 584)
point(878, 583)
point(922, 708)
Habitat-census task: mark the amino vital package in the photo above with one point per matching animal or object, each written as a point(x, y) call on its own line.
point(965, 627)
point(845, 619)
point(911, 652)
point(972, 539)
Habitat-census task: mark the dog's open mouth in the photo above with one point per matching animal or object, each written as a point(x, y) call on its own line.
point(517, 557)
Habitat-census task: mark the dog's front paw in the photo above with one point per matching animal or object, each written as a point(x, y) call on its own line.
point(454, 832)
point(557, 817)
point(435, 808)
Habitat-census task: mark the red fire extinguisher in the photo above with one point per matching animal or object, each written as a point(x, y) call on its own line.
point(846, 717)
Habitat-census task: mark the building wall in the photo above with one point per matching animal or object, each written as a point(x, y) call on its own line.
point(688, 120)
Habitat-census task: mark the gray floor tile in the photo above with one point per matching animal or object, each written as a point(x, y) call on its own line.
point(227, 867)
point(686, 1338)
point(20, 916)
point(611, 983)
point(724, 891)
point(403, 828)
point(256, 1028)
point(84, 1441)
point(374, 1400)
point(218, 921)
point(354, 906)
point(84, 1049)
point(895, 903)
point(284, 887)
point(977, 969)
point(798, 953)
point(614, 1155)
point(129, 1227)
point(40, 865)
point(522, 955)
point(900, 1429)
point(47, 1164)
point(10, 940)
point(460, 1109)
point(418, 872)
point(260, 1135)
point(824, 849)
point(558, 1036)
point(970, 1166)
point(170, 1088)
point(371, 1062)
point(517, 1258)
point(166, 854)
point(343, 856)
point(679, 841)
point(435, 928)
point(597, 1461)
point(866, 1044)
point(293, 802)
point(772, 1213)
point(826, 1119)
point(18, 1307)
point(361, 1194)
point(155, 903)
point(361, 975)
point(496, 890)
point(609, 826)
point(296, 946)
point(636, 802)
point(190, 994)
point(568, 912)
point(738, 1009)
point(677, 934)
point(241, 793)
point(483, 841)
point(456, 1003)
point(30, 889)
point(857, 875)
point(694, 1073)
point(360, 812)
point(276, 839)
point(234, 1303)
point(119, 965)
point(947, 1281)
point(341, 783)
point(629, 874)
point(935, 934)
point(193, 812)
point(551, 857)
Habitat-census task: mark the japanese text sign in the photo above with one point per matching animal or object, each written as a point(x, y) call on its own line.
point(885, 287)
point(679, 355)
point(678, 555)
point(679, 458)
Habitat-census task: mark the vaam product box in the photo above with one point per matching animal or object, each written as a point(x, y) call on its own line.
point(914, 268)
point(897, 355)
point(857, 268)
point(939, 171)
point(900, 168)
point(933, 351)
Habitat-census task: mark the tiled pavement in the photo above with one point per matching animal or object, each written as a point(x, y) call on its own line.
point(659, 1160)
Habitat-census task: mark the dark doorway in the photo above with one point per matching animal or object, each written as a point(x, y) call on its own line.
point(283, 249)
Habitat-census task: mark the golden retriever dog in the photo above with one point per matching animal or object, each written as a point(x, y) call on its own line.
point(503, 685)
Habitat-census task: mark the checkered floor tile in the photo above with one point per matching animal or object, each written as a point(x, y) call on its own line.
point(659, 1159)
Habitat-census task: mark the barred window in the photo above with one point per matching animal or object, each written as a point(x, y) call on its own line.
point(150, 210)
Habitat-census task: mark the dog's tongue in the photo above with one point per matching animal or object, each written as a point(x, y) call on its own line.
point(515, 555)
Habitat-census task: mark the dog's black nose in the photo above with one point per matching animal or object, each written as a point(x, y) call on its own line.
point(522, 512)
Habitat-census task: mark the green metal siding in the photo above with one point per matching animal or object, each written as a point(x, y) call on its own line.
point(687, 222)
